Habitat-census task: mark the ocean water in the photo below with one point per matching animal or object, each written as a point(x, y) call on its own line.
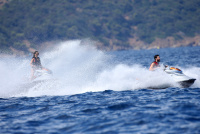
point(92, 91)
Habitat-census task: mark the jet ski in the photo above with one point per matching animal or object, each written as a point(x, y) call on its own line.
point(42, 75)
point(183, 80)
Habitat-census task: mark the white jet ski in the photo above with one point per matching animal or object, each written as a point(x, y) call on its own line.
point(183, 80)
point(42, 75)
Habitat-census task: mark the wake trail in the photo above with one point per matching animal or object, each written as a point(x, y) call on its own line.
point(79, 68)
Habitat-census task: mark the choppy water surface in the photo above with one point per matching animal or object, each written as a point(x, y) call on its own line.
point(98, 92)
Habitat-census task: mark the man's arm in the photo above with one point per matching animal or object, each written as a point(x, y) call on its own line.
point(152, 67)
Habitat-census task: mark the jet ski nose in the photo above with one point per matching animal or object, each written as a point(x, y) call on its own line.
point(187, 83)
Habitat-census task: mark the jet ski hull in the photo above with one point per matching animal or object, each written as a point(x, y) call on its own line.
point(187, 83)
point(178, 76)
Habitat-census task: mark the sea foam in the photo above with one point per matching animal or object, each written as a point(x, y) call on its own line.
point(78, 68)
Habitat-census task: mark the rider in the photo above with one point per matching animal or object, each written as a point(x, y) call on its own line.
point(35, 64)
point(154, 65)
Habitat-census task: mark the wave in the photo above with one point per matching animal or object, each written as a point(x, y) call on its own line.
point(78, 67)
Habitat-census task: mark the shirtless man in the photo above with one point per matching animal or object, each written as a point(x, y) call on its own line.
point(154, 65)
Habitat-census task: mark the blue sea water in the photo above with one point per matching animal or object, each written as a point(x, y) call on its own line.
point(100, 92)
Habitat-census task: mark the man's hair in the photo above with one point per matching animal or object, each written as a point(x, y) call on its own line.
point(156, 56)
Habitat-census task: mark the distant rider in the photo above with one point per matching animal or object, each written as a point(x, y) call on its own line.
point(154, 65)
point(35, 64)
